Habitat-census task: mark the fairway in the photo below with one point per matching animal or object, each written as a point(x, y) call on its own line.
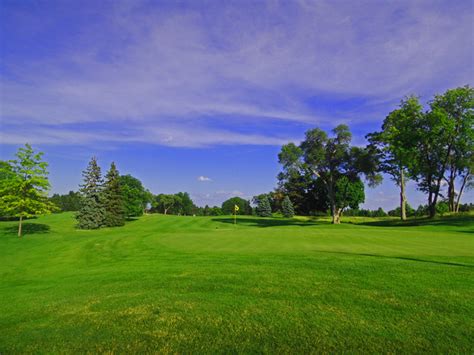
point(203, 285)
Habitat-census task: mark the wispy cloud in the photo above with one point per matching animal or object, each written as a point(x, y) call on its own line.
point(183, 76)
point(204, 178)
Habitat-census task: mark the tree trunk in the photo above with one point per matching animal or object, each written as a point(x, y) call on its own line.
point(332, 201)
point(19, 226)
point(452, 177)
point(431, 205)
point(403, 198)
point(166, 210)
point(464, 181)
point(336, 217)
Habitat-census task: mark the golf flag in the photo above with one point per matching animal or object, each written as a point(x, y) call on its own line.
point(236, 208)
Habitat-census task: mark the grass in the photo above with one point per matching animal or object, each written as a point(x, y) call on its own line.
point(202, 285)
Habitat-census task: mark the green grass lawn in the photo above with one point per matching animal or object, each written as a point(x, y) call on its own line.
point(203, 285)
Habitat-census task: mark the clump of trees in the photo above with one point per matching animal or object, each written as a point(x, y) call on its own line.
point(108, 203)
point(432, 147)
point(67, 202)
point(24, 186)
point(334, 167)
point(177, 204)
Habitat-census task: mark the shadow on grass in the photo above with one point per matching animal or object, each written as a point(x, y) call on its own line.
point(456, 221)
point(397, 257)
point(269, 222)
point(27, 228)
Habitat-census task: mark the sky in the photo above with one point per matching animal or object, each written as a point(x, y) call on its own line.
point(199, 96)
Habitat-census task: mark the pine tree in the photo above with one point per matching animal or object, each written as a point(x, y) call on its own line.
point(287, 207)
point(91, 214)
point(263, 208)
point(114, 206)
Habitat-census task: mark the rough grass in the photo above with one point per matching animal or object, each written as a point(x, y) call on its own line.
point(184, 284)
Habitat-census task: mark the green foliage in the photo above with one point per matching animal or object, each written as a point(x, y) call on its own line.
point(91, 214)
point(396, 212)
point(68, 202)
point(287, 208)
point(349, 193)
point(24, 186)
point(185, 206)
point(114, 206)
point(442, 208)
point(135, 197)
point(263, 208)
point(164, 203)
point(244, 206)
point(177, 204)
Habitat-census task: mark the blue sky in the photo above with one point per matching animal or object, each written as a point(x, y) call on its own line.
point(176, 90)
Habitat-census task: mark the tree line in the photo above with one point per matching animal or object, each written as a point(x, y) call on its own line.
point(323, 174)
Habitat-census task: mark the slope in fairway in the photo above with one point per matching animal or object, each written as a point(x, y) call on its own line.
point(184, 284)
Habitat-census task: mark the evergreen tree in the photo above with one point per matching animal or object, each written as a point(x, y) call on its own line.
point(91, 214)
point(287, 208)
point(264, 209)
point(114, 206)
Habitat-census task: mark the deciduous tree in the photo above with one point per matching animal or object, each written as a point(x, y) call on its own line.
point(396, 144)
point(24, 186)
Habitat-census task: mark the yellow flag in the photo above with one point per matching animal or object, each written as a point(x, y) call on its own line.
point(236, 208)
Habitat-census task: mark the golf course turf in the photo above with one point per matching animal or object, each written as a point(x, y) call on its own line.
point(203, 285)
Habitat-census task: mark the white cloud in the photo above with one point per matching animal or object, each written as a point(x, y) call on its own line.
point(172, 77)
point(204, 178)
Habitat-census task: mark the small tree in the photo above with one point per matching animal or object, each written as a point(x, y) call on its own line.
point(24, 185)
point(263, 208)
point(244, 206)
point(287, 208)
point(113, 201)
point(91, 214)
point(442, 208)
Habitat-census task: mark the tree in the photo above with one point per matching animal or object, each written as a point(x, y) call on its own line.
point(445, 144)
point(91, 214)
point(244, 206)
point(287, 208)
point(395, 144)
point(458, 107)
point(263, 208)
point(24, 186)
point(163, 203)
point(349, 192)
point(135, 197)
point(184, 204)
point(297, 182)
point(334, 164)
point(113, 202)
